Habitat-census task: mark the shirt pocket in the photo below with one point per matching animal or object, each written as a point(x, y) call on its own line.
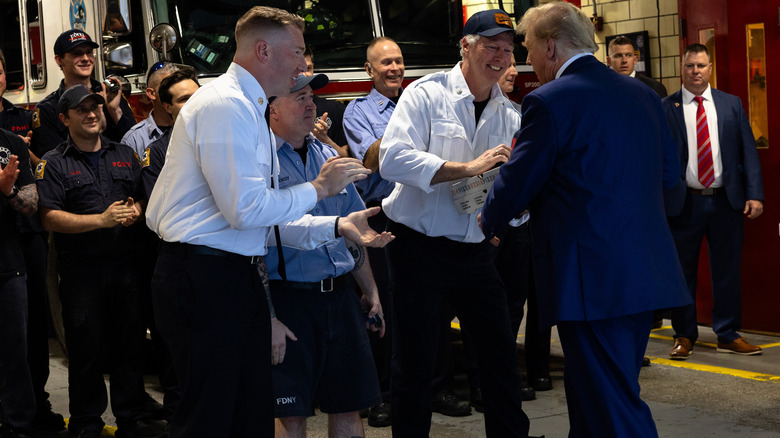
point(449, 141)
point(121, 183)
point(495, 140)
point(82, 194)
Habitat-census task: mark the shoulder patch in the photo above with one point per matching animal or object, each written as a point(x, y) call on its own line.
point(40, 169)
point(36, 118)
point(145, 158)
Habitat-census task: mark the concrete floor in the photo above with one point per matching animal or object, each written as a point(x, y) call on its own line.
point(710, 395)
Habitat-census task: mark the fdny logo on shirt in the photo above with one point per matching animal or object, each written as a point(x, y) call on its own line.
point(36, 118)
point(39, 169)
point(5, 155)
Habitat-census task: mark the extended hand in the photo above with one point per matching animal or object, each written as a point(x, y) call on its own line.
point(355, 228)
point(8, 175)
point(336, 173)
point(279, 336)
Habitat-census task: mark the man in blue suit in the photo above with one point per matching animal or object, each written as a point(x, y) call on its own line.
point(722, 174)
point(604, 258)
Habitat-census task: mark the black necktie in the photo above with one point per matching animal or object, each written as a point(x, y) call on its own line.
point(280, 268)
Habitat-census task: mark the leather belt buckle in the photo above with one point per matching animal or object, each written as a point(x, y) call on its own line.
point(326, 285)
point(709, 191)
point(255, 259)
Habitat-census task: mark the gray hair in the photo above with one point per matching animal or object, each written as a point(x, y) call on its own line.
point(470, 40)
point(564, 23)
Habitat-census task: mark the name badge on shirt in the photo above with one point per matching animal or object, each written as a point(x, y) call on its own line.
point(469, 194)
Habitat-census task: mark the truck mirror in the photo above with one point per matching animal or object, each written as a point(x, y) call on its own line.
point(163, 39)
point(118, 56)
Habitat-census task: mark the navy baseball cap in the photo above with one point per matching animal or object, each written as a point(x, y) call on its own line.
point(488, 23)
point(70, 39)
point(73, 96)
point(316, 81)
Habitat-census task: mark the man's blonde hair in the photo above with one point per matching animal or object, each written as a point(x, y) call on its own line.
point(562, 22)
point(251, 26)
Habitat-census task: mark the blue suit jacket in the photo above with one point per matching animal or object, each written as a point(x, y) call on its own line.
point(590, 161)
point(741, 167)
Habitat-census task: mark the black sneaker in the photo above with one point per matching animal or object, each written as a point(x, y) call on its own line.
point(141, 429)
point(447, 403)
point(47, 420)
point(380, 415)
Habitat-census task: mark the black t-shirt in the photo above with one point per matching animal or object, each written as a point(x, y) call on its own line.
point(15, 119)
point(11, 256)
point(479, 107)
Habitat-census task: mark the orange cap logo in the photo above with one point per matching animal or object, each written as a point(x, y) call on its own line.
point(503, 19)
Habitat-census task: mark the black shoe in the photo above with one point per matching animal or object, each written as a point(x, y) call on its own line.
point(152, 409)
point(141, 429)
point(645, 361)
point(541, 383)
point(528, 393)
point(476, 400)
point(364, 412)
point(447, 403)
point(47, 420)
point(380, 415)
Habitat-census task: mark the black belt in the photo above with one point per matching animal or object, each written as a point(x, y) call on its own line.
point(706, 192)
point(184, 249)
point(326, 285)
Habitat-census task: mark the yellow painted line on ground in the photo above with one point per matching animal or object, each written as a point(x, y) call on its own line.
point(709, 344)
point(718, 370)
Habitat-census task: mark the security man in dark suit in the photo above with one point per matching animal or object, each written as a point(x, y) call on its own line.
point(622, 58)
point(722, 174)
point(88, 188)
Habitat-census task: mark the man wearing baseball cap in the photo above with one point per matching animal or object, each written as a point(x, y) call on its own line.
point(74, 52)
point(446, 127)
point(89, 188)
point(327, 360)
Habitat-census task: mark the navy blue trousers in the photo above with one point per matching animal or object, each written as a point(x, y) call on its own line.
point(601, 377)
point(713, 218)
point(213, 315)
point(16, 390)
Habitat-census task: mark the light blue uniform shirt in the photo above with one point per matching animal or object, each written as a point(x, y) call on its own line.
point(331, 259)
point(365, 120)
point(140, 136)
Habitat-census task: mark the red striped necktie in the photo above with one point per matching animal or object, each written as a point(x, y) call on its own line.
point(703, 145)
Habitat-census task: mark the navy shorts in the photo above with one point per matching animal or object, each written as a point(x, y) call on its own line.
point(331, 362)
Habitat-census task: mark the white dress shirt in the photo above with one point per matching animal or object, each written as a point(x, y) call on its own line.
point(689, 113)
point(214, 189)
point(434, 123)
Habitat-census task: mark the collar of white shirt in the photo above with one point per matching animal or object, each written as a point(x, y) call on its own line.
point(249, 86)
point(459, 88)
point(570, 60)
point(687, 96)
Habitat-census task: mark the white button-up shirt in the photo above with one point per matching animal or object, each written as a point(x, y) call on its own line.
point(214, 189)
point(689, 114)
point(434, 123)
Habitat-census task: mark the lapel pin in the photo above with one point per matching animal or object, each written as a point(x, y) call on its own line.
point(676, 104)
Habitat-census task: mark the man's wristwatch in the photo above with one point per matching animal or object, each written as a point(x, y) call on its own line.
point(14, 192)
